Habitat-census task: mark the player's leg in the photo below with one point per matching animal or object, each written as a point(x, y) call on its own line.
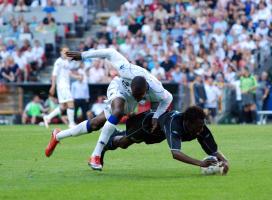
point(24, 118)
point(51, 115)
point(71, 113)
point(33, 120)
point(117, 110)
point(84, 127)
point(117, 139)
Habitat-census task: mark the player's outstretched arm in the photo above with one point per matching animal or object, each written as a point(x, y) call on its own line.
point(178, 155)
point(166, 99)
point(112, 55)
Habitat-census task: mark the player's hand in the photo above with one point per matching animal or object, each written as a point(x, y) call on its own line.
point(75, 55)
point(225, 166)
point(154, 124)
point(208, 162)
point(52, 91)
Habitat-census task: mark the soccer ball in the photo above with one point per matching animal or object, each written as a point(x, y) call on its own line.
point(213, 169)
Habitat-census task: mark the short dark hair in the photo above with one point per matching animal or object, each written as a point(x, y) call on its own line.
point(138, 83)
point(194, 114)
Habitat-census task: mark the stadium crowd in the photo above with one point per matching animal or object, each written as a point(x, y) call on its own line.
point(216, 51)
point(22, 52)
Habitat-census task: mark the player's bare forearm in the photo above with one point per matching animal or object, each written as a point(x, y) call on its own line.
point(189, 160)
point(186, 159)
point(53, 86)
point(75, 55)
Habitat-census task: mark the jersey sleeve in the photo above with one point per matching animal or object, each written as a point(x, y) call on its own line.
point(207, 141)
point(165, 99)
point(174, 141)
point(172, 136)
point(56, 68)
point(116, 59)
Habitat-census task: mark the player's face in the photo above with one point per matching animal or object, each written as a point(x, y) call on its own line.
point(63, 52)
point(195, 128)
point(138, 95)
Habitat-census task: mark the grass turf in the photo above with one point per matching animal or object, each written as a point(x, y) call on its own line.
point(141, 172)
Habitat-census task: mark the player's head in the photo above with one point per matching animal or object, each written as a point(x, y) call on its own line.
point(36, 99)
point(63, 51)
point(194, 119)
point(138, 87)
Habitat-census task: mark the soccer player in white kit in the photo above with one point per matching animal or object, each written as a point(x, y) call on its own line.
point(61, 81)
point(124, 93)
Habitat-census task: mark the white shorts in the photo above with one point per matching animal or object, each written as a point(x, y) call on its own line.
point(64, 95)
point(117, 90)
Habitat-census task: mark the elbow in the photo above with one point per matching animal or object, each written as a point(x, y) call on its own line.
point(175, 155)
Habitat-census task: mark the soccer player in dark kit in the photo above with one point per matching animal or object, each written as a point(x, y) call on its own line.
point(176, 128)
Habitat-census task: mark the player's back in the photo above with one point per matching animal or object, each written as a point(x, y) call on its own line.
point(128, 71)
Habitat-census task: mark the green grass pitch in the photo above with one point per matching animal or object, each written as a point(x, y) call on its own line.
point(141, 172)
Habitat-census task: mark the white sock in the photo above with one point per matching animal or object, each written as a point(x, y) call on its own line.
point(54, 113)
point(107, 131)
point(70, 115)
point(75, 131)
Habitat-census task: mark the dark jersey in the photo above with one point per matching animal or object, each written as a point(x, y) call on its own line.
point(138, 129)
point(172, 125)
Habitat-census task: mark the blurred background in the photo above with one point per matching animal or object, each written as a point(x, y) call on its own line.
point(214, 54)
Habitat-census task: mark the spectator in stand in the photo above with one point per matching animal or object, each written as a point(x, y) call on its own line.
point(133, 26)
point(49, 23)
point(38, 53)
point(158, 72)
point(21, 6)
point(130, 6)
point(96, 73)
point(14, 68)
point(212, 93)
point(33, 111)
point(199, 92)
point(49, 8)
point(160, 14)
point(262, 92)
point(6, 6)
point(248, 88)
point(97, 107)
point(3, 52)
point(7, 73)
point(21, 61)
point(177, 75)
point(114, 20)
point(168, 64)
point(80, 93)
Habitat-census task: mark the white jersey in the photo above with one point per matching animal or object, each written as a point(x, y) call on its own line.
point(61, 70)
point(127, 71)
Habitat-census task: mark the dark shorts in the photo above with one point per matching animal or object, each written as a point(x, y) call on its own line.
point(138, 129)
point(248, 99)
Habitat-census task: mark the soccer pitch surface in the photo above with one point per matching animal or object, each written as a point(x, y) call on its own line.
point(140, 172)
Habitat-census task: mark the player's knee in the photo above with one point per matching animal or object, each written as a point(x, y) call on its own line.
point(124, 145)
point(95, 124)
point(118, 112)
